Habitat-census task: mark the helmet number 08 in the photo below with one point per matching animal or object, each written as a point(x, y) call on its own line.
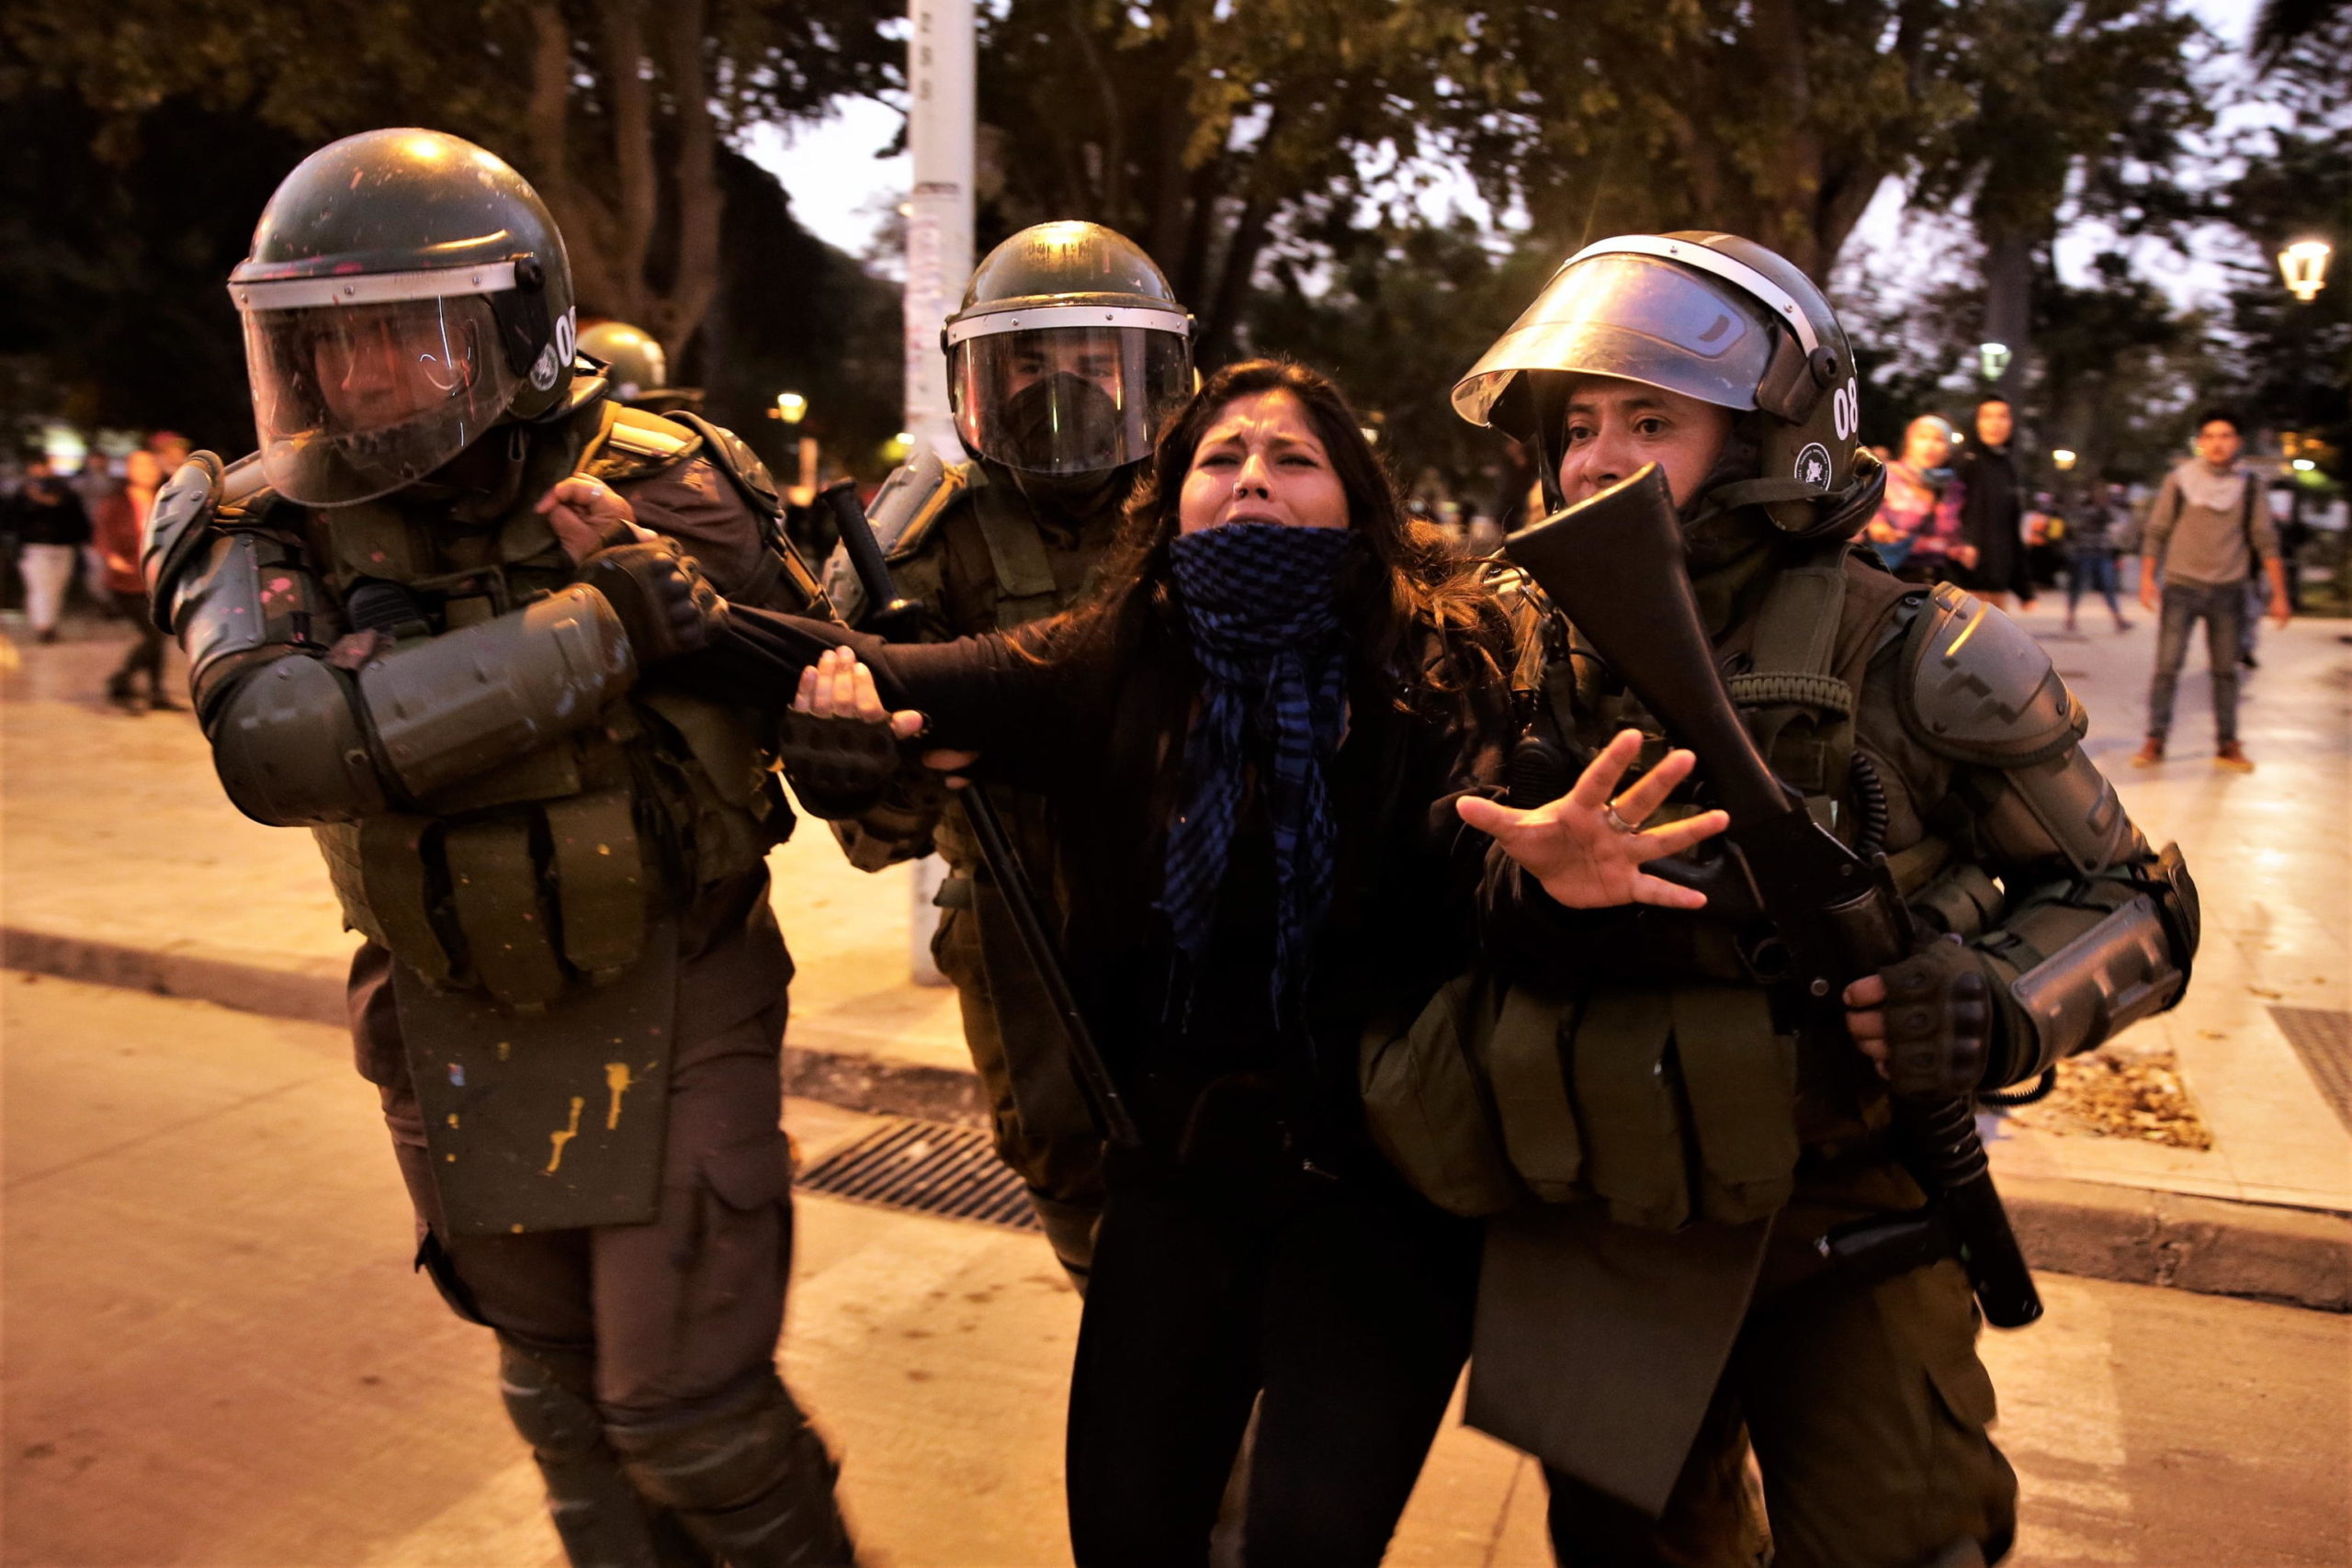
point(1846, 410)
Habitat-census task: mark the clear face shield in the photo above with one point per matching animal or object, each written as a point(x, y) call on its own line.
point(1080, 398)
point(1636, 317)
point(357, 400)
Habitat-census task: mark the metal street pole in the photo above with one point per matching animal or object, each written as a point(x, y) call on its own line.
point(939, 217)
point(939, 69)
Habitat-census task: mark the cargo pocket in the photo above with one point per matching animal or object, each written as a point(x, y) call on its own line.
point(744, 1251)
point(1426, 1106)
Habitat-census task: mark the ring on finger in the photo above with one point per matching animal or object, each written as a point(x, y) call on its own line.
point(1609, 815)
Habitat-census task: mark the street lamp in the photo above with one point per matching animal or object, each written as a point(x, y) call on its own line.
point(792, 407)
point(2304, 266)
point(1993, 358)
point(2063, 458)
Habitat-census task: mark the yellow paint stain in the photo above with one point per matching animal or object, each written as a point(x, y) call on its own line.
point(560, 1138)
point(453, 1119)
point(506, 1049)
point(451, 1158)
point(618, 1080)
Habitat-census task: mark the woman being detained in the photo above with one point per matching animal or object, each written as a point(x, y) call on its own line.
point(1253, 735)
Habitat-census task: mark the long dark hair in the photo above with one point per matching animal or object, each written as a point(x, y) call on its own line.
point(1416, 582)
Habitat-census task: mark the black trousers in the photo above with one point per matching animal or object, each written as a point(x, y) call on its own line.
point(1342, 1312)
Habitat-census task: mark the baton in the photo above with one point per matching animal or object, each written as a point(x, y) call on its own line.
point(1002, 857)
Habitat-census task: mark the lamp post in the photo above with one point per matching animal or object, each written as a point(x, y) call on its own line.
point(2304, 266)
point(792, 407)
point(2063, 458)
point(1992, 359)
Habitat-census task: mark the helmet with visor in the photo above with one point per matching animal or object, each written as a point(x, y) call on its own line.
point(406, 291)
point(1711, 317)
point(1068, 351)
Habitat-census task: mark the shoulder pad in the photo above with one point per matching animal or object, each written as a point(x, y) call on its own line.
point(912, 499)
point(636, 443)
point(903, 515)
point(727, 452)
point(176, 525)
point(1979, 689)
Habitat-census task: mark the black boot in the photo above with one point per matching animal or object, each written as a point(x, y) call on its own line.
point(746, 1475)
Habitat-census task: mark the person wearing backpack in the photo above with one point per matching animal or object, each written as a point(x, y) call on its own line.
point(2205, 532)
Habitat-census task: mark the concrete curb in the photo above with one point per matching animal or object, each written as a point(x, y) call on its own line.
point(2213, 1245)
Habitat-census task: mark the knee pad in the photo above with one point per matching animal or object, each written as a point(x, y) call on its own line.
point(723, 1454)
point(549, 1403)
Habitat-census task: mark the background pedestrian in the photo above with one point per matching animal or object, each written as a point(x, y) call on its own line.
point(1993, 510)
point(49, 521)
point(1917, 529)
point(2205, 532)
point(117, 523)
point(2090, 553)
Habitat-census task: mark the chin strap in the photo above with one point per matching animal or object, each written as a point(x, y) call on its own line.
point(1838, 515)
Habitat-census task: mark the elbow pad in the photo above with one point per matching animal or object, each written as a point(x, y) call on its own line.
point(2133, 963)
point(290, 749)
point(445, 708)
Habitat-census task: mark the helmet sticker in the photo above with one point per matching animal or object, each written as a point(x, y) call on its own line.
point(558, 353)
point(1846, 410)
point(1813, 465)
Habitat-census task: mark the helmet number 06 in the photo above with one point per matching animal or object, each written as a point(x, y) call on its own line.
point(1846, 410)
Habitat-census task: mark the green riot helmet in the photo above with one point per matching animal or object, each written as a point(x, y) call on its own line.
point(1712, 317)
point(633, 362)
point(406, 291)
point(1069, 351)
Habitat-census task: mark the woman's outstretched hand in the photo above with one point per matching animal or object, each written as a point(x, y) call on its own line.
point(1585, 860)
point(840, 686)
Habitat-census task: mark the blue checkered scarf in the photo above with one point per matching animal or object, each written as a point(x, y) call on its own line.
point(1263, 602)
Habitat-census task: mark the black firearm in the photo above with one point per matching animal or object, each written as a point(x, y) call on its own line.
point(1614, 564)
point(891, 617)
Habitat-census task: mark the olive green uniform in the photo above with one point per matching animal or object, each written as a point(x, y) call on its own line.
point(565, 910)
point(1662, 1135)
point(976, 555)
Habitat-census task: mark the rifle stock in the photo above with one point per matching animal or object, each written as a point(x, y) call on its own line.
point(1614, 564)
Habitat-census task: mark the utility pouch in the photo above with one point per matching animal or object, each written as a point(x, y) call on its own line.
point(1634, 1161)
point(1739, 1081)
point(495, 885)
point(1530, 1094)
point(379, 867)
point(599, 881)
point(1425, 1102)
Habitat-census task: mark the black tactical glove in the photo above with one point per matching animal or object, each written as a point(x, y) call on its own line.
point(1940, 1022)
point(840, 768)
point(663, 601)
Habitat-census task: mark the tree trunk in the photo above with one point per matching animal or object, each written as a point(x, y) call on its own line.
point(629, 98)
point(2009, 305)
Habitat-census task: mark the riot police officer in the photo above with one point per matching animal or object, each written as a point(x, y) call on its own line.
point(1660, 1286)
point(571, 991)
point(636, 368)
point(1068, 351)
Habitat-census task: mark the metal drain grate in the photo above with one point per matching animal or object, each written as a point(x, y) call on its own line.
point(2323, 1038)
point(926, 1167)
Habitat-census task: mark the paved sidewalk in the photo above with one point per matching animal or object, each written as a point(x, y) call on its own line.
point(123, 862)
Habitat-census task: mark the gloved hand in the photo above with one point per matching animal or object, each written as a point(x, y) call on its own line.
point(840, 767)
point(663, 601)
point(1928, 1021)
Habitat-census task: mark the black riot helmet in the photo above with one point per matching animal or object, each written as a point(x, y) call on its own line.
point(1068, 351)
point(406, 291)
point(1711, 316)
point(636, 368)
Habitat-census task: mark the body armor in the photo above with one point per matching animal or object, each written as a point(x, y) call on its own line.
point(504, 802)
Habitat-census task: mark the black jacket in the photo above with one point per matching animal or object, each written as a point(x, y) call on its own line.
point(1095, 722)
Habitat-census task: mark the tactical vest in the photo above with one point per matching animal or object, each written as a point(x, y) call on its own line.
point(1652, 1072)
point(547, 871)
